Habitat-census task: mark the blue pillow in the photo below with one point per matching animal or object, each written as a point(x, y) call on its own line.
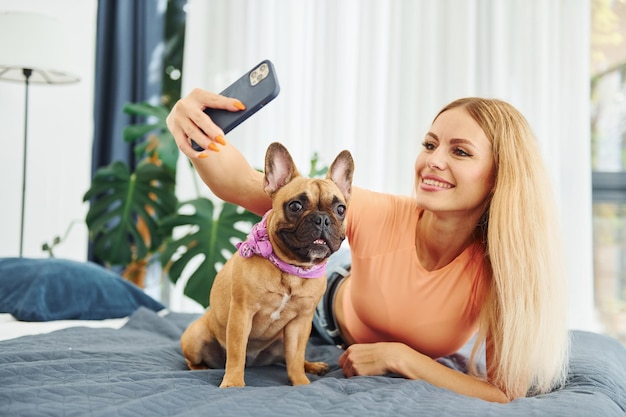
point(60, 289)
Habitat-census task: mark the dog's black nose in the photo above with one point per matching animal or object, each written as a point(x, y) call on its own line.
point(321, 219)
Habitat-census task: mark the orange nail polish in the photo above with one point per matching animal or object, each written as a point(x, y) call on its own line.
point(213, 147)
point(239, 105)
point(220, 139)
point(203, 155)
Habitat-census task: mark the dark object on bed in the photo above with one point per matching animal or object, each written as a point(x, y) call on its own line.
point(138, 370)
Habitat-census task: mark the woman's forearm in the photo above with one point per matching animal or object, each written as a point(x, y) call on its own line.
point(415, 365)
point(221, 166)
point(231, 178)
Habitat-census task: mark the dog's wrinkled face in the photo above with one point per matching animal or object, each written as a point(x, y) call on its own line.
point(307, 221)
point(309, 224)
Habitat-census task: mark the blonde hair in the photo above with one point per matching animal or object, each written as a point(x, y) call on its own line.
point(523, 320)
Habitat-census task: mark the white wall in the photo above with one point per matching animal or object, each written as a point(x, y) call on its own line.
point(60, 135)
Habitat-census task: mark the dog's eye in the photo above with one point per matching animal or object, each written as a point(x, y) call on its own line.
point(341, 210)
point(295, 206)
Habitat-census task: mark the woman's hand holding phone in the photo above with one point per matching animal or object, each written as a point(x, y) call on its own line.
point(187, 120)
point(194, 131)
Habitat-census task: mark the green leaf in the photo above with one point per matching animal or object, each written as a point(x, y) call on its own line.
point(146, 109)
point(138, 131)
point(159, 141)
point(166, 148)
point(210, 237)
point(314, 171)
point(117, 200)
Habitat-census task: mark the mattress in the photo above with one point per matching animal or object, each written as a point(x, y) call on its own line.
point(133, 366)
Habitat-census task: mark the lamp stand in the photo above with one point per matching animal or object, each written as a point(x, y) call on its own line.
point(27, 73)
point(35, 49)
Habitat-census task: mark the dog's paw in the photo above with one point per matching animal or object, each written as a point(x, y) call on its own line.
point(228, 383)
point(196, 366)
point(317, 368)
point(299, 380)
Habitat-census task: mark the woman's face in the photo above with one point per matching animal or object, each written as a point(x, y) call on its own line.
point(455, 170)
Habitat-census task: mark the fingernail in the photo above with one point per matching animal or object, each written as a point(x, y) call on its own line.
point(203, 155)
point(220, 139)
point(213, 147)
point(239, 105)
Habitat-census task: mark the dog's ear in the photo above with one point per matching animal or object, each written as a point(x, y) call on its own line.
point(341, 172)
point(279, 168)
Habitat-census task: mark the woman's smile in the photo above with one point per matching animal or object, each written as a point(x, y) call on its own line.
point(432, 183)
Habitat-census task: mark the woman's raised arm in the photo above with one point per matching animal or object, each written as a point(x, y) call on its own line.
point(221, 166)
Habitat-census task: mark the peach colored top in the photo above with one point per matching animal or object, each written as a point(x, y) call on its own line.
point(390, 296)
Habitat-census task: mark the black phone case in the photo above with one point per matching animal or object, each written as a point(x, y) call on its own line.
point(254, 97)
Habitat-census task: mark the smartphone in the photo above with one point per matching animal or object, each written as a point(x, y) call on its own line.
point(254, 89)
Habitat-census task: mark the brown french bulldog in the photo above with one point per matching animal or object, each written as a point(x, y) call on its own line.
point(263, 299)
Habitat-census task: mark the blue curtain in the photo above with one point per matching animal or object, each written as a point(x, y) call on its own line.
point(128, 69)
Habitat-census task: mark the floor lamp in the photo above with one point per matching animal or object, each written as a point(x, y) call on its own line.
point(34, 49)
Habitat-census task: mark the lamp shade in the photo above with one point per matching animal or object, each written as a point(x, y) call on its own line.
point(37, 42)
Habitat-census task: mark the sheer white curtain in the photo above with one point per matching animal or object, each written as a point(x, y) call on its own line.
point(369, 76)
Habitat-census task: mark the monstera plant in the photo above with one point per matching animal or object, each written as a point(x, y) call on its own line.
point(211, 238)
point(125, 208)
point(133, 214)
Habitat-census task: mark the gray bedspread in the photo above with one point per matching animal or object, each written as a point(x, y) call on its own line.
point(138, 370)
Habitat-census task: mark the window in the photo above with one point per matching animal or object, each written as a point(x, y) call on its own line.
point(608, 135)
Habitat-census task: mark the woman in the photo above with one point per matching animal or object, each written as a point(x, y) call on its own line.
point(475, 251)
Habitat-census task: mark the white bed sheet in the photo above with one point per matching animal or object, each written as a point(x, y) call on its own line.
point(10, 328)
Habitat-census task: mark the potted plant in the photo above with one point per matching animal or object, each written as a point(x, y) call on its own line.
point(133, 214)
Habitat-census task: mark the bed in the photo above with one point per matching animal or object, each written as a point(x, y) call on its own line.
point(76, 340)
